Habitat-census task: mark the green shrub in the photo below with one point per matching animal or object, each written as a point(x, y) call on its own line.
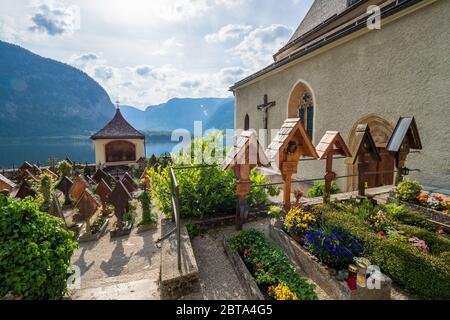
point(269, 265)
point(422, 273)
point(65, 169)
point(318, 190)
point(400, 214)
point(203, 190)
point(35, 252)
point(409, 190)
point(146, 203)
point(45, 189)
point(193, 230)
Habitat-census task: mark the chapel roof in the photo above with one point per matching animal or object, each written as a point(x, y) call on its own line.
point(118, 128)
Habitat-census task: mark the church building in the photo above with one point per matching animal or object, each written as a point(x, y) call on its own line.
point(337, 72)
point(118, 143)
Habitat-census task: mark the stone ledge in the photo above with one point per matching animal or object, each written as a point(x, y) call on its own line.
point(173, 282)
point(94, 237)
point(242, 273)
point(312, 268)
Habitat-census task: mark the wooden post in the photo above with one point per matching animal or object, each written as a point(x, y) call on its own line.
point(287, 178)
point(362, 169)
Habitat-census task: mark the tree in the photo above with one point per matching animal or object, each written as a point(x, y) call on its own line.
point(46, 191)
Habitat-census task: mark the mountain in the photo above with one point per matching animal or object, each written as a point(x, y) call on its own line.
point(177, 113)
point(44, 97)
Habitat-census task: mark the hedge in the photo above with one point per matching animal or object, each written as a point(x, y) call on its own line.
point(425, 274)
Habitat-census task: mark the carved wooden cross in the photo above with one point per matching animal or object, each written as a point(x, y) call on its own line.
point(265, 108)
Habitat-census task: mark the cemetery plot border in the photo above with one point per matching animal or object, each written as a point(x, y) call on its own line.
point(87, 237)
point(320, 274)
point(244, 276)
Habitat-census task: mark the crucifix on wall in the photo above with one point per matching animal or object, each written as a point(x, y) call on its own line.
point(265, 108)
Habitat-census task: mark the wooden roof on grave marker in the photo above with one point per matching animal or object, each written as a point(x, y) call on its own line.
point(126, 182)
point(87, 205)
point(288, 130)
point(26, 166)
point(51, 173)
point(24, 191)
point(6, 181)
point(100, 174)
point(64, 185)
point(364, 141)
point(103, 190)
point(332, 140)
point(78, 187)
point(128, 177)
point(245, 146)
point(28, 175)
point(120, 196)
point(36, 170)
point(405, 131)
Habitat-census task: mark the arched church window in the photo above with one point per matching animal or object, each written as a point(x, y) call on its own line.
point(306, 113)
point(247, 122)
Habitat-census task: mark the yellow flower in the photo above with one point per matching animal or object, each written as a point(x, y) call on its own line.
point(445, 212)
point(282, 292)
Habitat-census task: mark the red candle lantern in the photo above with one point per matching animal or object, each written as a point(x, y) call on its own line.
point(352, 276)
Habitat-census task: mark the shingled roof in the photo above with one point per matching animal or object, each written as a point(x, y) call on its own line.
point(118, 127)
point(320, 11)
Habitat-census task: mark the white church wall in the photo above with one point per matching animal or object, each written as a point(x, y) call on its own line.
point(402, 69)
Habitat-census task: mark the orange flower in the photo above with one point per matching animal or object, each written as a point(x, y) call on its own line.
point(259, 266)
point(445, 211)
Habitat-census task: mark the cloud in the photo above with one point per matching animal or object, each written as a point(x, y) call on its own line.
point(55, 18)
point(103, 73)
point(228, 32)
point(256, 49)
point(143, 71)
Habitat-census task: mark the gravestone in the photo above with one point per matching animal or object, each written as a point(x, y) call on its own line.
point(103, 190)
point(100, 174)
point(127, 177)
point(404, 138)
point(64, 185)
point(130, 186)
point(78, 188)
point(87, 206)
point(25, 190)
point(289, 145)
point(364, 148)
point(331, 144)
point(245, 155)
point(120, 198)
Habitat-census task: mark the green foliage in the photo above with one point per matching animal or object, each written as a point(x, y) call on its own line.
point(400, 214)
point(318, 190)
point(65, 169)
point(35, 251)
point(146, 203)
point(203, 190)
point(269, 265)
point(277, 212)
point(46, 191)
point(192, 230)
point(422, 273)
point(409, 190)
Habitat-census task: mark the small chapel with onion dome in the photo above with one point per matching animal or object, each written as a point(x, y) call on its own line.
point(118, 143)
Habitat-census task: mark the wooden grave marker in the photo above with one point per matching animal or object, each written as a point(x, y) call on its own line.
point(64, 185)
point(120, 198)
point(404, 138)
point(103, 190)
point(56, 210)
point(24, 191)
point(130, 186)
point(364, 147)
point(289, 145)
point(78, 188)
point(245, 155)
point(87, 205)
point(330, 145)
point(101, 174)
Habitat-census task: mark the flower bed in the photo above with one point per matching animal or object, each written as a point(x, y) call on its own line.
point(272, 274)
point(410, 194)
point(402, 243)
point(98, 228)
point(320, 273)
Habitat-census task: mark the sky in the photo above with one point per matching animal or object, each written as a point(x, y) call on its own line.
point(145, 52)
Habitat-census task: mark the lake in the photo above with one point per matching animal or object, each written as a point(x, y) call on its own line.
point(14, 151)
